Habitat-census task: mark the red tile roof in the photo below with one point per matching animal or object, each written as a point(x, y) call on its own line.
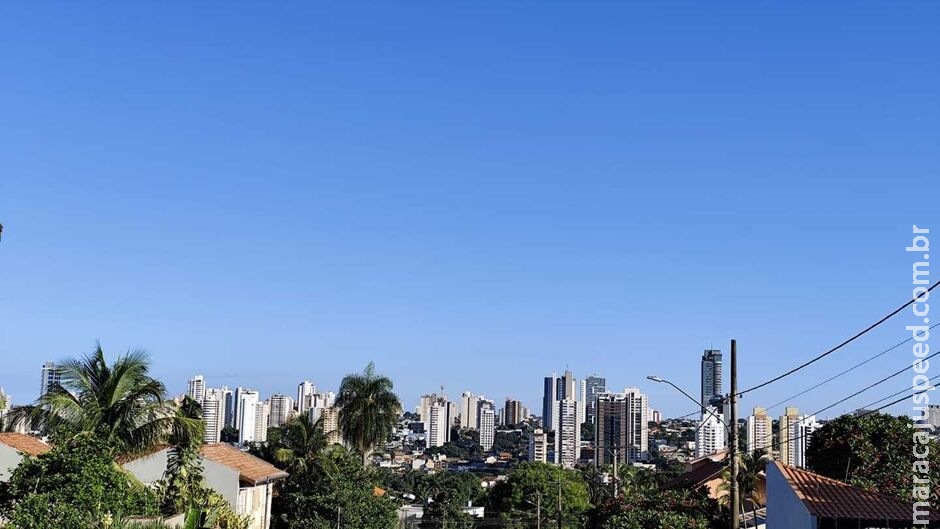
point(828, 498)
point(250, 469)
point(24, 443)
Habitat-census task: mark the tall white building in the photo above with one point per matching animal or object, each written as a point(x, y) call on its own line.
point(282, 408)
point(468, 410)
point(248, 403)
point(933, 415)
point(788, 429)
point(487, 426)
point(262, 418)
point(438, 423)
point(568, 434)
point(305, 391)
point(197, 388)
point(51, 377)
point(760, 434)
point(710, 437)
point(538, 445)
point(213, 415)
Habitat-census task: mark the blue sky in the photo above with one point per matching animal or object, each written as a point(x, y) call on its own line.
point(472, 195)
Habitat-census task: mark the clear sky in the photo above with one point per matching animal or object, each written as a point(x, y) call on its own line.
point(469, 194)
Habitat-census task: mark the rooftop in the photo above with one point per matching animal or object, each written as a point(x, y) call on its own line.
point(250, 469)
point(24, 443)
point(829, 498)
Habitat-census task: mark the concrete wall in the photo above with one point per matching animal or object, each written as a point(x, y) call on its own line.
point(256, 501)
point(9, 459)
point(220, 478)
point(784, 509)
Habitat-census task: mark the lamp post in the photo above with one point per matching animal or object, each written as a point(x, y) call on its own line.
point(732, 428)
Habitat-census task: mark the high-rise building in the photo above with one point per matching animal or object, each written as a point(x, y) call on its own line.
point(282, 407)
point(424, 408)
point(566, 386)
point(593, 386)
point(468, 410)
point(6, 404)
point(197, 388)
point(621, 432)
point(568, 433)
point(795, 432)
point(438, 424)
point(305, 391)
point(229, 404)
point(710, 436)
point(213, 415)
point(656, 416)
point(487, 425)
point(787, 430)
point(549, 397)
point(804, 432)
point(711, 379)
point(262, 418)
point(760, 434)
point(51, 377)
point(512, 414)
point(330, 418)
point(248, 403)
point(538, 445)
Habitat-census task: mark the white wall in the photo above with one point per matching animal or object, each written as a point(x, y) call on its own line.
point(784, 509)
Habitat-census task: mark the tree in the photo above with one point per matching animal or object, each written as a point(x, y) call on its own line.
point(368, 410)
point(514, 499)
point(76, 485)
point(333, 487)
point(653, 509)
point(872, 452)
point(229, 434)
point(119, 404)
point(293, 445)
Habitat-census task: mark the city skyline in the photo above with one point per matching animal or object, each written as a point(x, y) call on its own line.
point(615, 195)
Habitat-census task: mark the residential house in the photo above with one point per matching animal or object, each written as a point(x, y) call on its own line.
point(799, 499)
point(12, 448)
point(245, 481)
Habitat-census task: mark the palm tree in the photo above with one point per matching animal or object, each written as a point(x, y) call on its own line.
point(368, 410)
point(298, 442)
point(750, 473)
point(120, 404)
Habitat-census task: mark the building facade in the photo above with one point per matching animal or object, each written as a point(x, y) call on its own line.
point(51, 377)
point(196, 388)
point(538, 445)
point(487, 426)
point(710, 436)
point(760, 435)
point(621, 433)
point(711, 379)
point(568, 433)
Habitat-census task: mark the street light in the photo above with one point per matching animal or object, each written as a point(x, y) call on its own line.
point(662, 380)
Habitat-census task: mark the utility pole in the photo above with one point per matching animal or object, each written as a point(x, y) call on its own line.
point(559, 504)
point(733, 449)
point(538, 511)
point(616, 451)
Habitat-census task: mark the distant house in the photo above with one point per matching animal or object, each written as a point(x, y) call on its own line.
point(12, 448)
point(245, 481)
point(799, 499)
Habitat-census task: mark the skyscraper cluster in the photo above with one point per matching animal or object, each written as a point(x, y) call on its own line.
point(619, 421)
point(474, 412)
point(244, 410)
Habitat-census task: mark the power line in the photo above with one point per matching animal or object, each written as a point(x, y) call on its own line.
point(836, 348)
point(856, 366)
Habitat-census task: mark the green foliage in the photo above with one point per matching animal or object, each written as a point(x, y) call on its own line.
point(463, 486)
point(119, 404)
point(74, 486)
point(671, 509)
point(293, 445)
point(873, 452)
point(515, 497)
point(368, 410)
point(229, 434)
point(513, 441)
point(333, 485)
